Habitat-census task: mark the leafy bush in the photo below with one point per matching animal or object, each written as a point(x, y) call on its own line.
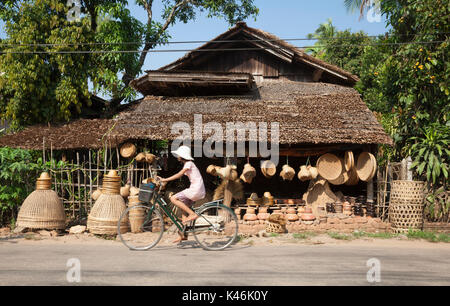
point(18, 171)
point(430, 153)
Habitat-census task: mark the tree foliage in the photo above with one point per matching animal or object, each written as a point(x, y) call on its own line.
point(39, 84)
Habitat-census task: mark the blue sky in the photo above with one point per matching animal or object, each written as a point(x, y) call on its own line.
point(284, 18)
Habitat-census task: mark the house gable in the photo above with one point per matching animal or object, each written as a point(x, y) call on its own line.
point(261, 54)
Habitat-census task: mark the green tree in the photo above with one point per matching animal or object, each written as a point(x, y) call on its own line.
point(41, 85)
point(324, 34)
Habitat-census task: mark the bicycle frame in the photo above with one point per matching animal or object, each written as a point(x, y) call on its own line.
point(157, 199)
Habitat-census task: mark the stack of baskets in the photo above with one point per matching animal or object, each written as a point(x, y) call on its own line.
point(42, 209)
point(406, 205)
point(108, 208)
point(136, 216)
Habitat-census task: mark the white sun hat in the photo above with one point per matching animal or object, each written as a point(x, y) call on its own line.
point(183, 152)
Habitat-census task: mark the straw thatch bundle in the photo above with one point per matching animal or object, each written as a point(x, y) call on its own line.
point(108, 208)
point(42, 209)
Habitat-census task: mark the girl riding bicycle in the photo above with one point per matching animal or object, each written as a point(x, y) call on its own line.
point(196, 191)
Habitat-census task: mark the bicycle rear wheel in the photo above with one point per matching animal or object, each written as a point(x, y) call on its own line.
point(146, 225)
point(216, 228)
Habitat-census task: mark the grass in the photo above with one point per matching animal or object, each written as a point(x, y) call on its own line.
point(382, 235)
point(339, 236)
point(429, 236)
point(304, 235)
point(274, 235)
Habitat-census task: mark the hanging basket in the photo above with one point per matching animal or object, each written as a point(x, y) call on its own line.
point(127, 150)
point(366, 166)
point(329, 166)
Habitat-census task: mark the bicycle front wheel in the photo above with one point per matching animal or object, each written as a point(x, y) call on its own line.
point(216, 228)
point(146, 227)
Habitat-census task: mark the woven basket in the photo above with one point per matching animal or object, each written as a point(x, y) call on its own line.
point(287, 173)
point(366, 166)
point(136, 216)
point(329, 166)
point(342, 179)
point(127, 150)
point(275, 228)
point(406, 205)
point(42, 209)
point(268, 168)
point(349, 160)
point(105, 215)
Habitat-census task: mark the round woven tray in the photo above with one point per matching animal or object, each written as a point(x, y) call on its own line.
point(329, 166)
point(349, 160)
point(366, 166)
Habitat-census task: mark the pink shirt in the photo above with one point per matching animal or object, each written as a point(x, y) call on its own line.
point(197, 189)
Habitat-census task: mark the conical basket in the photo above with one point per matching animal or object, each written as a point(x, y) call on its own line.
point(105, 215)
point(42, 209)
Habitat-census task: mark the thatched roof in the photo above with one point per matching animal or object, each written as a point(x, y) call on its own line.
point(81, 133)
point(270, 43)
point(308, 113)
point(315, 113)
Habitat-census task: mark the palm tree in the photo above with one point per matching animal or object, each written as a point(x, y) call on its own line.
point(324, 32)
point(353, 5)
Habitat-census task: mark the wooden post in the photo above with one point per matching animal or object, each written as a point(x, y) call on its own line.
point(90, 180)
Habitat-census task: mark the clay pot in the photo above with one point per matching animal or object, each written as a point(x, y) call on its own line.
point(263, 214)
point(301, 210)
point(308, 217)
point(291, 202)
point(292, 217)
point(250, 215)
point(308, 210)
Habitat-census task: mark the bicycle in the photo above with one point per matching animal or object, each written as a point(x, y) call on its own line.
point(215, 229)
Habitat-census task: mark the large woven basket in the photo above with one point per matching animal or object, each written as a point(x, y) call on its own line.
point(105, 215)
point(406, 205)
point(42, 209)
